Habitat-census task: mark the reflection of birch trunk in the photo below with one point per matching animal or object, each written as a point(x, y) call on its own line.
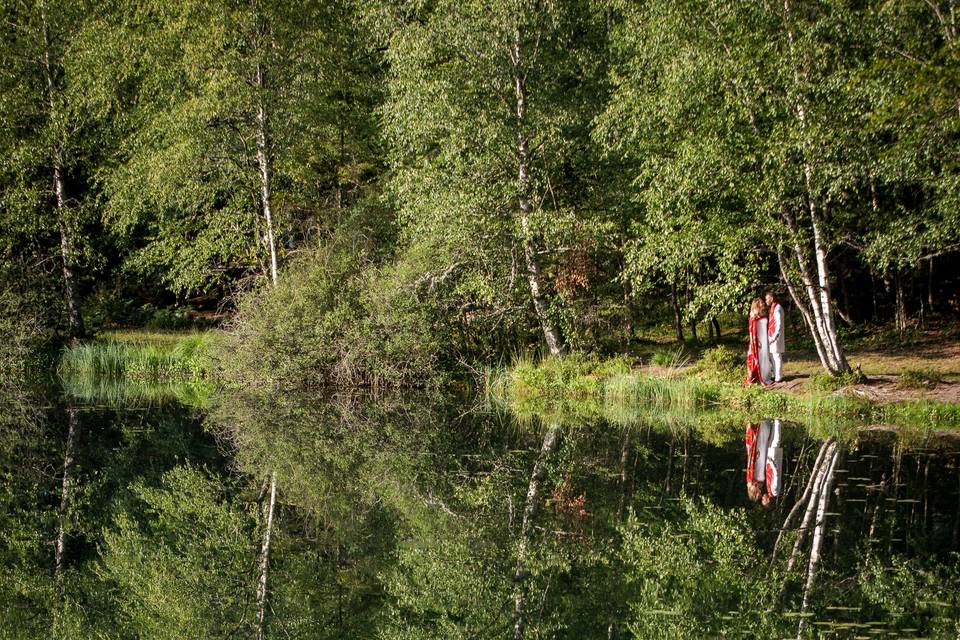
point(64, 512)
point(788, 523)
point(821, 480)
point(624, 473)
point(897, 465)
point(818, 535)
point(624, 493)
point(811, 509)
point(265, 559)
point(526, 526)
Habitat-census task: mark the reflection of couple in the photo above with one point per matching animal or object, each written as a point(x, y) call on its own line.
point(764, 461)
point(765, 353)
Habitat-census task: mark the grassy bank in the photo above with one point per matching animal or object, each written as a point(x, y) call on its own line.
point(146, 356)
point(581, 387)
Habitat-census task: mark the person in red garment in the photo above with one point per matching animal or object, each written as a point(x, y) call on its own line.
point(773, 462)
point(764, 461)
point(755, 462)
point(776, 332)
point(754, 373)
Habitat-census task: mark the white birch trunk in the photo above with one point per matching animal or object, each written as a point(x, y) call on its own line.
point(818, 293)
point(818, 535)
point(550, 333)
point(265, 560)
point(63, 514)
point(263, 162)
point(526, 527)
point(59, 190)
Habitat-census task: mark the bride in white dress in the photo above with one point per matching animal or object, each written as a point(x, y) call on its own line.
point(766, 367)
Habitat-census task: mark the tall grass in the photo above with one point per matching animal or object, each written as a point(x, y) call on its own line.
point(169, 357)
point(580, 388)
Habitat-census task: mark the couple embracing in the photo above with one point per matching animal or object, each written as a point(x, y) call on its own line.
point(765, 353)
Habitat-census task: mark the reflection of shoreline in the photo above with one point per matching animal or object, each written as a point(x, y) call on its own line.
point(128, 392)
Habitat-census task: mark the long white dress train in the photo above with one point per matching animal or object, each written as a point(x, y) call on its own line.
point(766, 366)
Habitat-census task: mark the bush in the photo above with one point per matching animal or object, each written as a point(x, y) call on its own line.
point(30, 324)
point(827, 382)
point(332, 320)
point(721, 363)
point(919, 379)
point(671, 358)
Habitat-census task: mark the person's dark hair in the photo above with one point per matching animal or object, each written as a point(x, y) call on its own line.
point(769, 292)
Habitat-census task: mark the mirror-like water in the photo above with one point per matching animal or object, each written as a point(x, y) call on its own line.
point(414, 517)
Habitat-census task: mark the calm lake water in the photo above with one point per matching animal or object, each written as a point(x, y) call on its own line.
point(443, 517)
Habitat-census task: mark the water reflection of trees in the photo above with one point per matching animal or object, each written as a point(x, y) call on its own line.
point(420, 517)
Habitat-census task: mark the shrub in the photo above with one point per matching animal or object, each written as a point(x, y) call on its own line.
point(332, 320)
point(919, 379)
point(671, 358)
point(826, 382)
point(721, 363)
point(30, 324)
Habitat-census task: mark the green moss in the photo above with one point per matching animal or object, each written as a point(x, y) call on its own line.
point(826, 382)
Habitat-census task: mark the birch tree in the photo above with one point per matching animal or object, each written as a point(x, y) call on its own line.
point(487, 106)
point(739, 118)
point(214, 173)
point(44, 144)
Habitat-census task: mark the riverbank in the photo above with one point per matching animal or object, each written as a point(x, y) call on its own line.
point(580, 386)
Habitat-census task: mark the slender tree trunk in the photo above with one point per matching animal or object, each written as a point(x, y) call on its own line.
point(677, 316)
point(265, 559)
point(930, 295)
point(818, 535)
point(716, 327)
point(263, 162)
point(60, 198)
point(901, 304)
point(804, 499)
point(818, 288)
point(534, 278)
point(688, 288)
point(805, 311)
point(530, 510)
point(627, 299)
point(63, 514)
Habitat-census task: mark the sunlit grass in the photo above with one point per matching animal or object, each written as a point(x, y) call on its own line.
point(140, 355)
point(580, 388)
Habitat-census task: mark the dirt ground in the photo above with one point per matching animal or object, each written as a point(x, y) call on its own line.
point(934, 350)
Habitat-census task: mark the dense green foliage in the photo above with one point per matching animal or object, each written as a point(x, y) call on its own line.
point(450, 182)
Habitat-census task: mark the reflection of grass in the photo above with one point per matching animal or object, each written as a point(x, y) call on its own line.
point(136, 392)
point(577, 388)
point(140, 355)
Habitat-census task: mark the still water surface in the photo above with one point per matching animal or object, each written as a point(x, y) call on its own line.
point(441, 517)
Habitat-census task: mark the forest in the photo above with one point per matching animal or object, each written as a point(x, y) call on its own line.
point(428, 319)
point(367, 191)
